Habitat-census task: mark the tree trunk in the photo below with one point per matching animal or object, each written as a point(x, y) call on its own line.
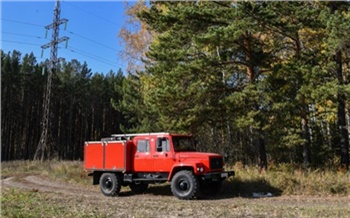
point(305, 137)
point(262, 161)
point(344, 135)
point(260, 142)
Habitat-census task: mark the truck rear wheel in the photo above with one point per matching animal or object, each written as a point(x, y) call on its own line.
point(138, 188)
point(110, 184)
point(184, 185)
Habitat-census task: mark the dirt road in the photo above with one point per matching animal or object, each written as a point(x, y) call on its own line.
point(159, 202)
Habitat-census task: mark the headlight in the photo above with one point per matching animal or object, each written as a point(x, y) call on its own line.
point(200, 169)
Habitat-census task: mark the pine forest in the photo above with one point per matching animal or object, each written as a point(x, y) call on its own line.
point(258, 82)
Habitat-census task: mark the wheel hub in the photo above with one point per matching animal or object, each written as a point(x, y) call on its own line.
point(108, 184)
point(183, 185)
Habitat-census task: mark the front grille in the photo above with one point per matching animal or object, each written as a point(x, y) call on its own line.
point(216, 163)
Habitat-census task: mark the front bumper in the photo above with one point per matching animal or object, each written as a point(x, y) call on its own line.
point(218, 175)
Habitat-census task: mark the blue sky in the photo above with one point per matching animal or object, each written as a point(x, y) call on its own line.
point(92, 28)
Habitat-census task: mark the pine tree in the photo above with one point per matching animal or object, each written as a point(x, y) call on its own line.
point(202, 55)
point(338, 27)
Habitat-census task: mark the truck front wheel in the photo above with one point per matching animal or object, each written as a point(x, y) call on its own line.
point(184, 185)
point(110, 184)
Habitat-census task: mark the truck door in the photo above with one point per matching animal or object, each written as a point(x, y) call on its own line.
point(142, 157)
point(163, 156)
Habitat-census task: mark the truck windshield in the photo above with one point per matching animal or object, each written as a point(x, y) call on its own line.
point(183, 143)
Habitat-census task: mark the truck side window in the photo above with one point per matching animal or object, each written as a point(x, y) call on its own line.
point(163, 145)
point(143, 146)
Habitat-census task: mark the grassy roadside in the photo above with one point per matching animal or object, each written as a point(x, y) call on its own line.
point(31, 203)
point(234, 201)
point(286, 180)
point(26, 204)
point(279, 180)
point(68, 171)
point(20, 203)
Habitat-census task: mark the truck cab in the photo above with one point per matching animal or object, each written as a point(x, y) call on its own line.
point(140, 159)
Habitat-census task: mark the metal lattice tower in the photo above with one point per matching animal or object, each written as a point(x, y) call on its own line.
point(46, 142)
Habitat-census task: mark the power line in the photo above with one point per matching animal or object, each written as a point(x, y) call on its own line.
point(72, 49)
point(75, 50)
point(76, 34)
point(91, 13)
point(26, 35)
point(92, 56)
point(21, 22)
point(96, 15)
point(17, 42)
point(91, 40)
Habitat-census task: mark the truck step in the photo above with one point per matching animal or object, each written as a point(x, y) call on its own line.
point(151, 179)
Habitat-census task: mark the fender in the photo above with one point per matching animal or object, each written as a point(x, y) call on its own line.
point(181, 166)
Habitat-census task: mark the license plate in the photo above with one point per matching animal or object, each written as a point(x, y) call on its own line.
point(224, 175)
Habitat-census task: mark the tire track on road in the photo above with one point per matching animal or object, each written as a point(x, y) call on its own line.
point(36, 183)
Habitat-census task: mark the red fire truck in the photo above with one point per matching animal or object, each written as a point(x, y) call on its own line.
point(137, 160)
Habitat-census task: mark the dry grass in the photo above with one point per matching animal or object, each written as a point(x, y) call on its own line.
point(298, 190)
point(70, 171)
point(286, 180)
point(23, 203)
point(280, 179)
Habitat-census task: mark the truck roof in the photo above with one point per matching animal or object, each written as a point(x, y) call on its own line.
point(128, 136)
point(140, 134)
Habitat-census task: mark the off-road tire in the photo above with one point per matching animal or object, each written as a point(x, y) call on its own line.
point(138, 188)
point(110, 184)
point(184, 185)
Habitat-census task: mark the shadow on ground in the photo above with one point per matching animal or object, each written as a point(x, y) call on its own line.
point(230, 189)
point(163, 189)
point(153, 189)
point(238, 188)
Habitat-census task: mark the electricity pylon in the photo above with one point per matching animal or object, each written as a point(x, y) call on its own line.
point(46, 142)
